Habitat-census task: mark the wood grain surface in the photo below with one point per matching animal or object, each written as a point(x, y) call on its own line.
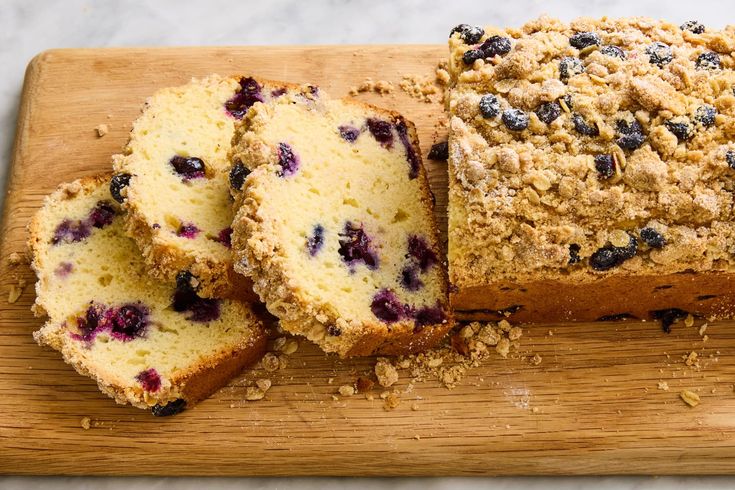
point(591, 407)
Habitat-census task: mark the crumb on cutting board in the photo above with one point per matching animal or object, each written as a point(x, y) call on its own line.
point(102, 130)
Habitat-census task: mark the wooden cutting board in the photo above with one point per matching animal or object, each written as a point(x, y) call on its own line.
point(591, 407)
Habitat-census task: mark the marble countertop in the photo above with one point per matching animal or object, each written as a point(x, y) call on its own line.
point(27, 28)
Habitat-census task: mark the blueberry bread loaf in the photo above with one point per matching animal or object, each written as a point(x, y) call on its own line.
point(172, 178)
point(335, 225)
point(592, 170)
point(144, 342)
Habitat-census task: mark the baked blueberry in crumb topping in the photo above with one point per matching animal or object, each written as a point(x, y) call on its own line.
point(692, 26)
point(680, 127)
point(515, 119)
point(629, 134)
point(188, 230)
point(610, 256)
point(349, 133)
point(495, 46)
point(605, 166)
point(414, 162)
point(248, 94)
point(354, 246)
point(730, 158)
point(469, 34)
point(614, 51)
point(582, 40)
point(708, 61)
point(149, 380)
point(387, 307)
point(489, 106)
point(188, 167)
point(705, 115)
point(548, 112)
point(471, 55)
point(570, 66)
point(668, 317)
point(583, 127)
point(315, 242)
point(420, 250)
point(238, 174)
point(287, 160)
point(652, 238)
point(381, 130)
point(117, 184)
point(171, 408)
point(659, 54)
point(439, 151)
point(574, 253)
point(334, 330)
point(410, 278)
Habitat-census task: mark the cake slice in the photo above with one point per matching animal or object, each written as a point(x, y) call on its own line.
point(592, 170)
point(172, 178)
point(146, 343)
point(335, 225)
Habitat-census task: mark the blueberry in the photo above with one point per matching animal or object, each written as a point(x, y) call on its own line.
point(89, 324)
point(668, 317)
point(471, 55)
point(248, 94)
point(582, 40)
point(705, 115)
point(489, 106)
point(610, 256)
point(708, 61)
point(680, 128)
point(204, 310)
point(188, 168)
point(277, 92)
point(287, 160)
point(630, 134)
point(469, 34)
point(413, 159)
point(605, 166)
point(730, 158)
point(570, 66)
point(583, 127)
point(387, 307)
point(355, 246)
point(614, 51)
point(420, 250)
point(225, 237)
point(439, 151)
point(515, 119)
point(128, 322)
point(659, 54)
point(692, 26)
point(102, 214)
point(381, 130)
point(185, 281)
point(149, 380)
point(315, 242)
point(238, 174)
point(70, 231)
point(428, 315)
point(187, 230)
point(117, 184)
point(494, 46)
point(574, 253)
point(410, 278)
point(349, 133)
point(334, 330)
point(548, 112)
point(171, 408)
point(652, 238)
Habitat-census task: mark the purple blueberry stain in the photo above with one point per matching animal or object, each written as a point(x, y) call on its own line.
point(188, 167)
point(410, 278)
point(248, 94)
point(63, 269)
point(124, 323)
point(315, 242)
point(185, 299)
point(277, 92)
point(150, 380)
point(381, 130)
point(355, 246)
point(287, 160)
point(225, 237)
point(70, 231)
point(187, 230)
point(414, 161)
point(349, 133)
point(387, 307)
point(420, 250)
point(428, 315)
point(102, 214)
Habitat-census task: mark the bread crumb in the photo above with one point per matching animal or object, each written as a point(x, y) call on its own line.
point(702, 329)
point(691, 359)
point(535, 360)
point(417, 437)
point(102, 130)
point(535, 410)
point(391, 401)
point(364, 384)
point(442, 74)
point(690, 398)
point(86, 423)
point(264, 384)
point(253, 393)
point(270, 362)
point(369, 396)
point(503, 347)
point(16, 290)
point(418, 87)
point(387, 374)
point(663, 385)
point(346, 390)
point(16, 258)
point(286, 345)
point(689, 320)
point(415, 407)
point(380, 87)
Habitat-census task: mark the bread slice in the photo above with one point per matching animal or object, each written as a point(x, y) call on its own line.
point(172, 178)
point(145, 342)
point(335, 225)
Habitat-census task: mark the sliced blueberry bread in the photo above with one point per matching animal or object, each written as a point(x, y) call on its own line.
point(146, 343)
point(172, 178)
point(592, 170)
point(335, 225)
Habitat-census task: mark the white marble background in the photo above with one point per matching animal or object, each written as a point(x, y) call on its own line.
point(30, 26)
